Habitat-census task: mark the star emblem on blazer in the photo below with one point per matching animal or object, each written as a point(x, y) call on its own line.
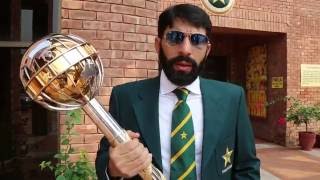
point(227, 157)
point(218, 6)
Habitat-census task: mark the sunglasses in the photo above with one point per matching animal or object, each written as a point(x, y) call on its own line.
point(177, 37)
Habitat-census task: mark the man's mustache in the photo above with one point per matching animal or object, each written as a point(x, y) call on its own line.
point(182, 58)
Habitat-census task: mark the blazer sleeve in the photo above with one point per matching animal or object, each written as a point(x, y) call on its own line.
point(247, 165)
point(102, 157)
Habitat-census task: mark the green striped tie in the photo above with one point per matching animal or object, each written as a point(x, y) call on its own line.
point(182, 163)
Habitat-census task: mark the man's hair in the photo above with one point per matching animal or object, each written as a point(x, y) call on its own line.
point(185, 12)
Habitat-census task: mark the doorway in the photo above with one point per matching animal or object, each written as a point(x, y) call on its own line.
point(216, 67)
point(251, 59)
point(28, 132)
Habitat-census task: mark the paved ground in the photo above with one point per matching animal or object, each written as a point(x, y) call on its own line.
point(278, 162)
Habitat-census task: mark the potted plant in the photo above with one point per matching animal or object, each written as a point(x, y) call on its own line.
point(300, 113)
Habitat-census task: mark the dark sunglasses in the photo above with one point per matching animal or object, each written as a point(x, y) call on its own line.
point(177, 37)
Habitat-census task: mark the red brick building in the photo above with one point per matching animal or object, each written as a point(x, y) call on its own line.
point(255, 44)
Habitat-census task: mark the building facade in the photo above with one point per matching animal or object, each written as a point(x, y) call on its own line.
point(259, 45)
point(256, 43)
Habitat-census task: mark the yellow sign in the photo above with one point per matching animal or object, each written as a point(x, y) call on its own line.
point(277, 82)
point(310, 75)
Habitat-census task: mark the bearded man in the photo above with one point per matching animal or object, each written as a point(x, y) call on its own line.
point(187, 126)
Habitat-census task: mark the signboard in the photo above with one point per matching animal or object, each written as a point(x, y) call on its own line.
point(277, 82)
point(310, 75)
point(218, 6)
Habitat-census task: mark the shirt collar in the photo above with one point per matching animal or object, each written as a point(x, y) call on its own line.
point(166, 86)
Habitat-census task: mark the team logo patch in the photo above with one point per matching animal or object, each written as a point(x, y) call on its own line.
point(218, 6)
point(227, 160)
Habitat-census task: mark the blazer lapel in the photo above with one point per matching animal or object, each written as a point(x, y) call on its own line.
point(147, 114)
point(211, 121)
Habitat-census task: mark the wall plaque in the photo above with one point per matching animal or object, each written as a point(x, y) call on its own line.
point(277, 82)
point(310, 75)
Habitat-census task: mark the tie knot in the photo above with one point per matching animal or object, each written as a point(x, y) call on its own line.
point(181, 93)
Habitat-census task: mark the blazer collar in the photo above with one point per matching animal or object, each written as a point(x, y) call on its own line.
point(166, 86)
point(147, 114)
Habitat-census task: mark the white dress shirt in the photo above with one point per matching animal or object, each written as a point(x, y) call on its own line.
point(167, 101)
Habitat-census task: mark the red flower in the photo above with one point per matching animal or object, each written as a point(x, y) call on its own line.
point(282, 121)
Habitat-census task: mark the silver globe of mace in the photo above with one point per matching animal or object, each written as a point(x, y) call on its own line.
point(64, 72)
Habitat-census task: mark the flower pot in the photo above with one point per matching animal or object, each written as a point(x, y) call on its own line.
point(317, 144)
point(307, 140)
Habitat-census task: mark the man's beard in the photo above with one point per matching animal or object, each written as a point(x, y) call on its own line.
point(180, 78)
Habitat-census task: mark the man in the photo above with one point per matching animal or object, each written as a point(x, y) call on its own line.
point(194, 128)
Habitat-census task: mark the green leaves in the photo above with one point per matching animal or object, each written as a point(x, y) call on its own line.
point(60, 177)
point(74, 116)
point(65, 169)
point(299, 112)
point(46, 164)
point(65, 141)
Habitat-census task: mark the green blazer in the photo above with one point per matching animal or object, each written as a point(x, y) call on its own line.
point(227, 128)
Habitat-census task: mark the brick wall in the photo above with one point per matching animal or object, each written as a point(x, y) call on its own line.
point(123, 32)
point(300, 22)
point(303, 48)
point(264, 15)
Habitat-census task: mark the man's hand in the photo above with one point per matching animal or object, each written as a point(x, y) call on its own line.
point(128, 159)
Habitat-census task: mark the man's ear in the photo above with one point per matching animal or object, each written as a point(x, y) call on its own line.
point(208, 49)
point(157, 44)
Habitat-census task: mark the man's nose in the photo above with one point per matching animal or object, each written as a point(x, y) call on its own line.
point(185, 48)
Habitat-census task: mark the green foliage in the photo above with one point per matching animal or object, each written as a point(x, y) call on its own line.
point(64, 169)
point(299, 112)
